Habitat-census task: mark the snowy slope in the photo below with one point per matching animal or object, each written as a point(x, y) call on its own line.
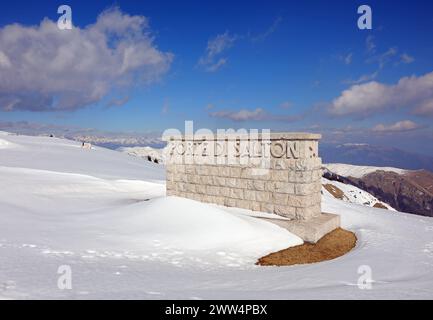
point(105, 215)
point(59, 155)
point(353, 194)
point(348, 170)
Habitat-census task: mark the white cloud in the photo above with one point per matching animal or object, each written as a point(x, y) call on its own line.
point(241, 115)
point(400, 126)
point(212, 61)
point(414, 93)
point(348, 59)
point(217, 65)
point(4, 60)
point(255, 115)
point(425, 108)
point(363, 78)
point(48, 69)
point(383, 58)
point(345, 58)
point(264, 35)
point(405, 58)
point(370, 45)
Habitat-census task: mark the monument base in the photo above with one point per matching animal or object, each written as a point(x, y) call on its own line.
point(311, 230)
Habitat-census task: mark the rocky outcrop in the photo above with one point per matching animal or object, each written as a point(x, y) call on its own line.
point(147, 153)
point(410, 192)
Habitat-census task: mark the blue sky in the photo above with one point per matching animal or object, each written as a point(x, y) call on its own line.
point(282, 65)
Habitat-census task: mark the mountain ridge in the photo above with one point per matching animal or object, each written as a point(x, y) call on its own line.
point(408, 191)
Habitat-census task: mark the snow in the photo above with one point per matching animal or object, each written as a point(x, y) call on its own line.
point(144, 152)
point(347, 170)
point(106, 216)
point(5, 144)
point(60, 155)
point(353, 194)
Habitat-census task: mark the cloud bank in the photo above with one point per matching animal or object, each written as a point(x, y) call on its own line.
point(43, 68)
point(413, 93)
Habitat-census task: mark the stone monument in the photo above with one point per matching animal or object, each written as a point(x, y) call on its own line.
point(277, 173)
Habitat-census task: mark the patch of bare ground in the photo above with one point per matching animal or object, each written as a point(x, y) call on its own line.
point(331, 246)
point(379, 205)
point(336, 192)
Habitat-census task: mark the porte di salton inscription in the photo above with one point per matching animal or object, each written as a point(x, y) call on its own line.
point(275, 172)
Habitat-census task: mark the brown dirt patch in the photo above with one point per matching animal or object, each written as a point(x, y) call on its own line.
point(336, 192)
point(331, 246)
point(379, 205)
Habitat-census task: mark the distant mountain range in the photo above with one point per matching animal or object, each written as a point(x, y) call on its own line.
point(350, 153)
point(106, 139)
point(369, 155)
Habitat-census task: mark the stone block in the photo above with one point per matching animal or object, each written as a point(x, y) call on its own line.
point(241, 183)
point(224, 191)
point(230, 202)
point(244, 204)
point(235, 172)
point(219, 181)
point(190, 169)
point(279, 198)
point(231, 182)
point(237, 193)
point(300, 201)
point(305, 176)
point(212, 190)
point(284, 187)
point(250, 195)
point(200, 189)
point(280, 175)
point(305, 213)
point(190, 188)
point(308, 188)
point(310, 230)
point(255, 206)
point(258, 185)
point(267, 207)
point(263, 196)
point(224, 171)
point(285, 211)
